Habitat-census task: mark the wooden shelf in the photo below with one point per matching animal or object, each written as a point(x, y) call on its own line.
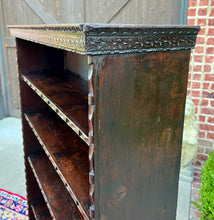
point(66, 94)
point(67, 152)
point(59, 202)
point(40, 210)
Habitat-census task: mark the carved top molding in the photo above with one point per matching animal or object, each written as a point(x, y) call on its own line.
point(109, 38)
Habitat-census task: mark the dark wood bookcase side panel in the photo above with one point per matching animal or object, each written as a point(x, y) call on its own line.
point(141, 125)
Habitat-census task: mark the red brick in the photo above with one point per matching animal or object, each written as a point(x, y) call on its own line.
point(202, 118)
point(202, 31)
point(212, 2)
point(212, 87)
point(206, 127)
point(200, 150)
point(195, 214)
point(209, 59)
point(205, 143)
point(190, 21)
point(211, 21)
point(202, 11)
point(204, 102)
point(196, 185)
point(208, 95)
point(202, 21)
point(210, 32)
point(210, 120)
point(197, 163)
point(189, 76)
point(207, 68)
point(195, 192)
point(208, 111)
point(196, 85)
point(198, 58)
point(197, 68)
point(202, 157)
point(203, 2)
point(200, 40)
point(197, 170)
point(212, 12)
point(208, 151)
point(188, 92)
point(212, 103)
point(206, 86)
point(209, 77)
point(195, 101)
point(210, 135)
point(197, 180)
point(197, 174)
point(191, 12)
point(189, 84)
point(201, 134)
point(210, 41)
point(210, 50)
point(193, 207)
point(196, 111)
point(195, 93)
point(197, 77)
point(192, 3)
point(199, 49)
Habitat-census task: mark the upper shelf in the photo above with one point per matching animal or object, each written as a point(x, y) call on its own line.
point(109, 38)
point(66, 94)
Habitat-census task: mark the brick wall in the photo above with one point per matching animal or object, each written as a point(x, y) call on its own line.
point(201, 86)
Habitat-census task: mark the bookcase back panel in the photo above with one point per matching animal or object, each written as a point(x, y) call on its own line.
point(138, 134)
point(77, 64)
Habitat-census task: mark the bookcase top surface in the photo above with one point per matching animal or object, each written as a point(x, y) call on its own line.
point(95, 39)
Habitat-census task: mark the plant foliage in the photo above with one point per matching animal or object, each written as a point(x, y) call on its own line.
point(206, 198)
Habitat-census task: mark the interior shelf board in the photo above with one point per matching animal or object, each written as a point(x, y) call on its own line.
point(67, 152)
point(40, 210)
point(66, 94)
point(59, 202)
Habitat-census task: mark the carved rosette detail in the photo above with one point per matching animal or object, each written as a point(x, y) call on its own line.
point(91, 105)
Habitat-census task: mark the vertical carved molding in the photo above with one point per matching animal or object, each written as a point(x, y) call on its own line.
point(91, 105)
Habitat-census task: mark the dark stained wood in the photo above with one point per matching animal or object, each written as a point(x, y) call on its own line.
point(59, 202)
point(67, 92)
point(138, 134)
point(68, 153)
point(130, 113)
point(40, 210)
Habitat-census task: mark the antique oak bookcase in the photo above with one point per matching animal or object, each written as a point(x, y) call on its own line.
point(102, 113)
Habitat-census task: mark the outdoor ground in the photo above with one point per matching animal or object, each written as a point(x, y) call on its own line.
point(12, 175)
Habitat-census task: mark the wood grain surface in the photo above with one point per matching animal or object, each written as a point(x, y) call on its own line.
point(67, 152)
point(139, 111)
point(60, 204)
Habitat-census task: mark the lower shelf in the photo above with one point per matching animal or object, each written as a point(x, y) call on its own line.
point(59, 202)
point(67, 152)
point(40, 210)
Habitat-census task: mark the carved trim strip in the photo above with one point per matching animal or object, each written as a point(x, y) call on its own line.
point(67, 40)
point(82, 211)
point(112, 45)
point(110, 39)
point(91, 106)
point(68, 121)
